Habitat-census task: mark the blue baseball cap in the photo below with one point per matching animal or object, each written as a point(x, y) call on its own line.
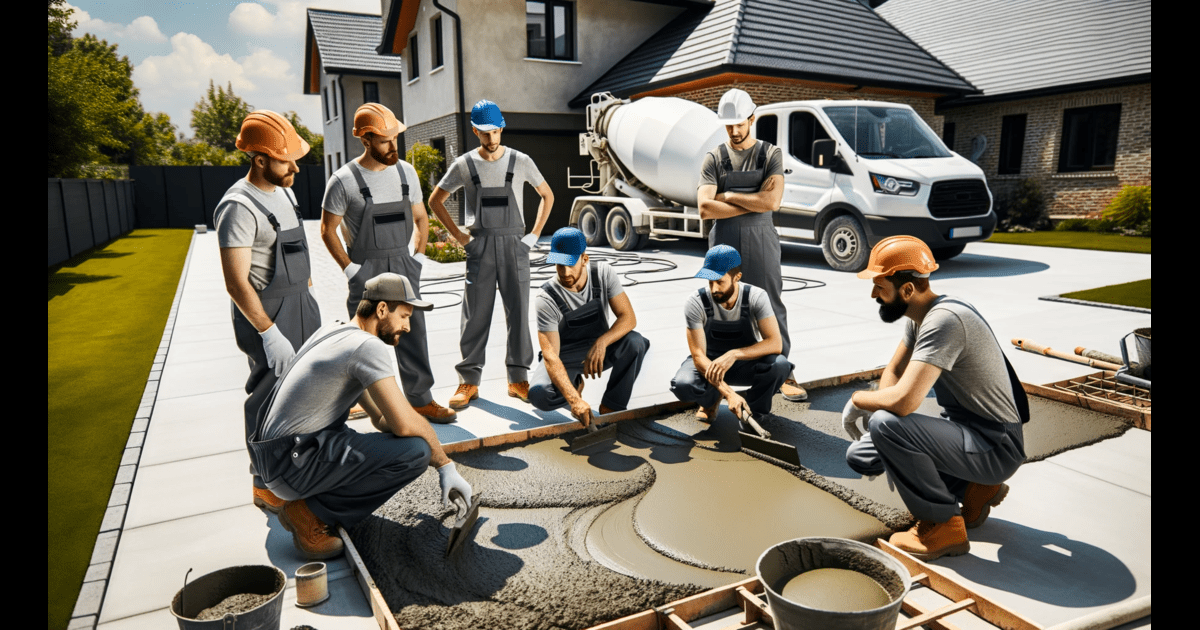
point(566, 247)
point(718, 261)
point(486, 116)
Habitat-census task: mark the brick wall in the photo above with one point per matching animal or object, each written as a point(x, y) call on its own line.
point(1068, 194)
point(447, 129)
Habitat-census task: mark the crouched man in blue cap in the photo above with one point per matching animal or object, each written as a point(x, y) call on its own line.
point(575, 336)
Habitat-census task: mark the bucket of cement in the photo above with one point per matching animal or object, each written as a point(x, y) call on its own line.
point(241, 598)
point(832, 584)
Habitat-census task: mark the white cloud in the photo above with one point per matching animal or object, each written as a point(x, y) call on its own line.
point(287, 18)
point(144, 29)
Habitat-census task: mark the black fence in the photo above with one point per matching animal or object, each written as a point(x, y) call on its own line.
point(186, 196)
point(83, 213)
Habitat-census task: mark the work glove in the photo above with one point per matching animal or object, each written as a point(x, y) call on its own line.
point(278, 349)
point(451, 480)
point(530, 240)
point(351, 270)
point(850, 417)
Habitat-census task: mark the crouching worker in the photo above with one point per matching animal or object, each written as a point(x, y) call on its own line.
point(328, 473)
point(734, 339)
point(936, 463)
point(575, 336)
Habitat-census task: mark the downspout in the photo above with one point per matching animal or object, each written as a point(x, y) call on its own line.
point(462, 107)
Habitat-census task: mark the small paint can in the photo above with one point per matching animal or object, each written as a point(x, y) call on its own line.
point(312, 584)
point(201, 228)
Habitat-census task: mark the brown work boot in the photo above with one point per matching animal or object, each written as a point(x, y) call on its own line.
point(979, 500)
point(604, 410)
point(464, 395)
point(708, 414)
point(930, 541)
point(357, 412)
point(434, 412)
point(310, 535)
point(792, 391)
point(267, 500)
point(519, 390)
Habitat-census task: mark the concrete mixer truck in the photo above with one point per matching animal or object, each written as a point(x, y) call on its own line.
point(855, 172)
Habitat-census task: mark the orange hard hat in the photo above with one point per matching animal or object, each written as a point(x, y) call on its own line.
point(899, 253)
point(264, 131)
point(377, 119)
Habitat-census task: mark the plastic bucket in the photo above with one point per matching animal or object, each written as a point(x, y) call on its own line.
point(1141, 338)
point(211, 589)
point(779, 564)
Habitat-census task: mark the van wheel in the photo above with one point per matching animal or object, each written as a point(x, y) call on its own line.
point(946, 253)
point(591, 223)
point(619, 228)
point(845, 245)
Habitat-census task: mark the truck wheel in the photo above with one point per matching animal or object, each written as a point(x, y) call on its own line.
point(845, 245)
point(591, 223)
point(619, 228)
point(946, 253)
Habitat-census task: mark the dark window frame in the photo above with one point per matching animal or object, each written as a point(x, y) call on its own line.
point(1012, 143)
point(325, 99)
point(414, 57)
point(948, 130)
point(437, 56)
point(767, 123)
point(335, 100)
point(571, 54)
point(811, 134)
point(367, 96)
point(1086, 131)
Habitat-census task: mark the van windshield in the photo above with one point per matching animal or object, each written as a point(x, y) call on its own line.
point(886, 132)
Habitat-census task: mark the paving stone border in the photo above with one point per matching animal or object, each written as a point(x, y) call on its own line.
point(95, 582)
point(1119, 307)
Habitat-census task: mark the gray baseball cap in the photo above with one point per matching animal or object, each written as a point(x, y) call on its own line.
point(393, 287)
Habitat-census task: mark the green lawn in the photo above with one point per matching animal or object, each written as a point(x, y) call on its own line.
point(106, 310)
point(1076, 240)
point(1128, 294)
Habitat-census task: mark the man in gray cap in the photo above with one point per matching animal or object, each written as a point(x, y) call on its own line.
point(328, 473)
point(741, 184)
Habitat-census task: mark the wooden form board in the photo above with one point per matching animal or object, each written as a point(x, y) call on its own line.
point(1069, 392)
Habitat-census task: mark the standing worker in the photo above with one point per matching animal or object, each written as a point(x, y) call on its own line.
point(741, 184)
point(380, 212)
point(497, 255)
point(575, 336)
point(264, 259)
point(936, 463)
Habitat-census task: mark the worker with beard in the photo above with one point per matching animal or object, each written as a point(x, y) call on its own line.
point(328, 473)
point(936, 463)
point(375, 201)
point(265, 263)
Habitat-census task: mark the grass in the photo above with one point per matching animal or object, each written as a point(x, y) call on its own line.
point(1128, 294)
point(1076, 240)
point(105, 309)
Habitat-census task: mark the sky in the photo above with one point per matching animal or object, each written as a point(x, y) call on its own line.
point(177, 46)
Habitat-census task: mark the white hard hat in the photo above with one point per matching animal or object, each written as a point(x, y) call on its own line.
point(735, 107)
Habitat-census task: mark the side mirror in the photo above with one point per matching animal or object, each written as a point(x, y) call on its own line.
point(825, 155)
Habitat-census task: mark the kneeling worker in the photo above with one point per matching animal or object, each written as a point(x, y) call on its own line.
point(734, 339)
point(936, 463)
point(575, 336)
point(328, 473)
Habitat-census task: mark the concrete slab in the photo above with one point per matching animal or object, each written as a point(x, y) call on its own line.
point(203, 377)
point(196, 426)
point(189, 487)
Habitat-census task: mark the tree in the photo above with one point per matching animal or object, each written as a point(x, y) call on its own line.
point(316, 141)
point(218, 116)
point(58, 21)
point(428, 163)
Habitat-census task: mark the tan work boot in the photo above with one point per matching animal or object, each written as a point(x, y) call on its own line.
point(979, 500)
point(519, 390)
point(464, 395)
point(310, 535)
point(708, 414)
point(267, 500)
point(930, 541)
point(792, 391)
point(604, 410)
point(434, 412)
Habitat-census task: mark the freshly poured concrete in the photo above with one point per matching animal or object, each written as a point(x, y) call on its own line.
point(838, 590)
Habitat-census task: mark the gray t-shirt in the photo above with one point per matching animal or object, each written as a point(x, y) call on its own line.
point(548, 315)
point(760, 308)
point(242, 225)
point(343, 197)
point(743, 160)
point(327, 380)
point(957, 340)
point(491, 174)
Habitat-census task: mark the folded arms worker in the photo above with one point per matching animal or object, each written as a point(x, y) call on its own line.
point(575, 336)
point(936, 463)
point(376, 202)
point(265, 263)
point(494, 177)
point(328, 473)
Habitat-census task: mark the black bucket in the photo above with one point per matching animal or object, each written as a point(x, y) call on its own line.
point(779, 564)
point(211, 589)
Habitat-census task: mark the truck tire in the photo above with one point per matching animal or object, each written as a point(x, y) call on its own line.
point(946, 253)
point(618, 226)
point(591, 223)
point(845, 244)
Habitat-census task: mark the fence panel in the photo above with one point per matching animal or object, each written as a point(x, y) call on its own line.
point(122, 206)
point(183, 196)
point(111, 209)
point(95, 197)
point(57, 248)
point(150, 196)
point(216, 181)
point(79, 219)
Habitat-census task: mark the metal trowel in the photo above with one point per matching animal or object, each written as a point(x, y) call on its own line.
point(757, 439)
point(595, 435)
point(464, 522)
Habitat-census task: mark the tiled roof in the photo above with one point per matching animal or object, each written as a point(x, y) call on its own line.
point(346, 42)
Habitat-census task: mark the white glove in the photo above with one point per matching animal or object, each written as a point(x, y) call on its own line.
point(420, 258)
point(850, 417)
point(351, 269)
point(279, 350)
point(450, 479)
point(412, 248)
point(530, 240)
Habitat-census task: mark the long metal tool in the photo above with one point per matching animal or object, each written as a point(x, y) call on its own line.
point(760, 442)
point(464, 523)
point(595, 435)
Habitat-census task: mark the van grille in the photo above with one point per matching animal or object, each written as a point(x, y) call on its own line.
point(959, 198)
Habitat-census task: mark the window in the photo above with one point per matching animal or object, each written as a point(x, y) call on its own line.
point(335, 99)
point(766, 128)
point(325, 97)
point(948, 135)
point(339, 159)
point(435, 39)
point(804, 129)
point(1012, 143)
point(370, 92)
point(1089, 138)
point(550, 29)
point(329, 163)
point(414, 59)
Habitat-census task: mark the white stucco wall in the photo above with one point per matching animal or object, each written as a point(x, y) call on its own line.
point(432, 94)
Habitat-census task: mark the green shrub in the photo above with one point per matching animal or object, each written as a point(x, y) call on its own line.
point(1074, 225)
point(1144, 228)
point(1024, 207)
point(1130, 208)
point(428, 163)
point(441, 246)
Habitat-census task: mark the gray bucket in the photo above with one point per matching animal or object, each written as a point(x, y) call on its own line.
point(1141, 338)
point(779, 564)
point(211, 589)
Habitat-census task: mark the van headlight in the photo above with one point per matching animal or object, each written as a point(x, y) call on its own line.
point(894, 185)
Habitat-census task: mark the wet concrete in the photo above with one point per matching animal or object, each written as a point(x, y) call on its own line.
point(838, 590)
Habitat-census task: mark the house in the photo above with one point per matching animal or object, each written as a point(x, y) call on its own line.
point(1064, 91)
